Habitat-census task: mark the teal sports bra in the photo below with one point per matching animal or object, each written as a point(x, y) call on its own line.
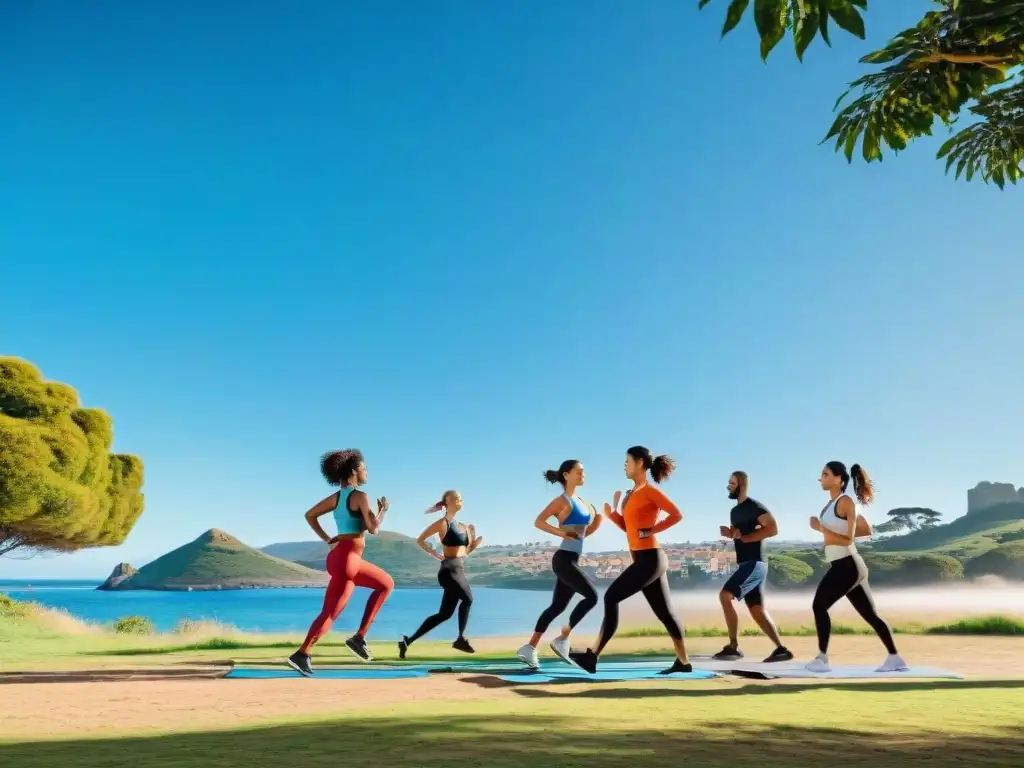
point(348, 522)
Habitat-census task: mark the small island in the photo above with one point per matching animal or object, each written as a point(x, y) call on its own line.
point(216, 560)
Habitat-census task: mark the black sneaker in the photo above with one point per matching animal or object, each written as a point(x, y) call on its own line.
point(585, 660)
point(299, 661)
point(357, 645)
point(779, 654)
point(403, 646)
point(462, 644)
point(728, 653)
point(677, 666)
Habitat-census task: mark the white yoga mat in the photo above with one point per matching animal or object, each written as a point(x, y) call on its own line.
point(789, 670)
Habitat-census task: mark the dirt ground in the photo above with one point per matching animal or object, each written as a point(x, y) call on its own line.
point(181, 698)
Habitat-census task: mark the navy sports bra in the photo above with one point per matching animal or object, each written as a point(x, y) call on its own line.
point(453, 537)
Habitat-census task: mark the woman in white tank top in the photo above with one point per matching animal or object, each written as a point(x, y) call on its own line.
point(847, 574)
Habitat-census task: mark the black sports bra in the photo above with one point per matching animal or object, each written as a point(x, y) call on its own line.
point(453, 537)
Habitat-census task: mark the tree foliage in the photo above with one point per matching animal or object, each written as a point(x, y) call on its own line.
point(60, 487)
point(965, 55)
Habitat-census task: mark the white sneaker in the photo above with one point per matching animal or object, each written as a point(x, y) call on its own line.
point(561, 646)
point(528, 655)
point(893, 663)
point(819, 664)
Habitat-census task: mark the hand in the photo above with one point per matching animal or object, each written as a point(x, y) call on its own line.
point(476, 541)
point(572, 534)
point(332, 543)
point(616, 499)
point(607, 509)
point(726, 531)
point(815, 524)
point(382, 505)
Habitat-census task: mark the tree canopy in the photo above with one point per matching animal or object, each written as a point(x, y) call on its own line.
point(60, 487)
point(964, 55)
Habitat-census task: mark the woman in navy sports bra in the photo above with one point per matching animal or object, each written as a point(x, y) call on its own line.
point(345, 564)
point(576, 520)
point(457, 541)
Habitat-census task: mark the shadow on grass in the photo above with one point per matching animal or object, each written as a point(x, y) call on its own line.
point(521, 740)
point(603, 691)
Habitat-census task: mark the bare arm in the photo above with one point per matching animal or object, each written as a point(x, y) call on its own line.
point(558, 507)
point(768, 529)
point(371, 521)
point(474, 540)
point(322, 508)
point(595, 523)
point(666, 505)
point(430, 530)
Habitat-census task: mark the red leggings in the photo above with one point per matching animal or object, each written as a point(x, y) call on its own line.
point(348, 570)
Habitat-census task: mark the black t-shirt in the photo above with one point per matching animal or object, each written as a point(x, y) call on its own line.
point(744, 517)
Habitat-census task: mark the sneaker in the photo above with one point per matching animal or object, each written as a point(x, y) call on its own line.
point(893, 663)
point(561, 648)
point(585, 660)
point(779, 654)
point(357, 645)
point(677, 667)
point(403, 646)
point(819, 664)
point(299, 661)
point(462, 644)
point(728, 653)
point(528, 655)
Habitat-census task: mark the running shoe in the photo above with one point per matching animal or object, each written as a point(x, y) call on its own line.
point(528, 655)
point(728, 653)
point(893, 663)
point(561, 647)
point(357, 645)
point(779, 654)
point(299, 661)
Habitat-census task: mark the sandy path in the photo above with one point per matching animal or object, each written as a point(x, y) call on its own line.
point(107, 707)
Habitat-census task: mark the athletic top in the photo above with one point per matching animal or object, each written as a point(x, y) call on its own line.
point(348, 522)
point(743, 517)
point(454, 537)
point(577, 520)
point(832, 521)
point(639, 514)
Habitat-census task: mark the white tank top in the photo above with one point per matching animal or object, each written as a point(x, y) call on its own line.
point(832, 521)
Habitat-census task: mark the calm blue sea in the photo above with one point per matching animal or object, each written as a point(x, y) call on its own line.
point(495, 611)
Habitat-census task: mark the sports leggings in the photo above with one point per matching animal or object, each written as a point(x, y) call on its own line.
point(452, 578)
point(571, 581)
point(348, 570)
point(648, 573)
point(847, 577)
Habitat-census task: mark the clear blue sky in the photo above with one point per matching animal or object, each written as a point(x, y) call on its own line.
point(476, 238)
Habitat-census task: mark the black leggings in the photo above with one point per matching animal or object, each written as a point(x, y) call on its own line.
point(847, 577)
point(571, 581)
point(648, 573)
point(452, 579)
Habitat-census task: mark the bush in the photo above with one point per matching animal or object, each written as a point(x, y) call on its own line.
point(134, 625)
point(788, 572)
point(1006, 560)
point(912, 569)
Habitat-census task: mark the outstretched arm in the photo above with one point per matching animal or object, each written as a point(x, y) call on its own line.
point(474, 540)
point(430, 530)
point(665, 505)
point(556, 508)
point(322, 508)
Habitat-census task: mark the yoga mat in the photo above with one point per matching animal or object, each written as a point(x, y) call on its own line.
point(602, 675)
point(356, 673)
point(769, 671)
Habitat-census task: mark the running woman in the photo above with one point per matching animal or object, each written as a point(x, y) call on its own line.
point(456, 543)
point(648, 573)
point(577, 519)
point(345, 564)
point(847, 575)
point(750, 523)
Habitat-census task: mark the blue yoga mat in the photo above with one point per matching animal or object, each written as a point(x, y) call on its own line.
point(603, 675)
point(357, 673)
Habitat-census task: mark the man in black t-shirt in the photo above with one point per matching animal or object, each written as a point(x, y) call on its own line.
point(750, 523)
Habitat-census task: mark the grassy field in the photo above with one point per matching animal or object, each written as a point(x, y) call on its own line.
point(711, 724)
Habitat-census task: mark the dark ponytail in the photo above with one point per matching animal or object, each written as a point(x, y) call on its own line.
point(558, 475)
point(338, 466)
point(863, 488)
point(660, 466)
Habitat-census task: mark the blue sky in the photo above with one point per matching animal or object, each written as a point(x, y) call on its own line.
point(476, 238)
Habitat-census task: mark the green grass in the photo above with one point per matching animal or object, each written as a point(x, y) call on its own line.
point(882, 725)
